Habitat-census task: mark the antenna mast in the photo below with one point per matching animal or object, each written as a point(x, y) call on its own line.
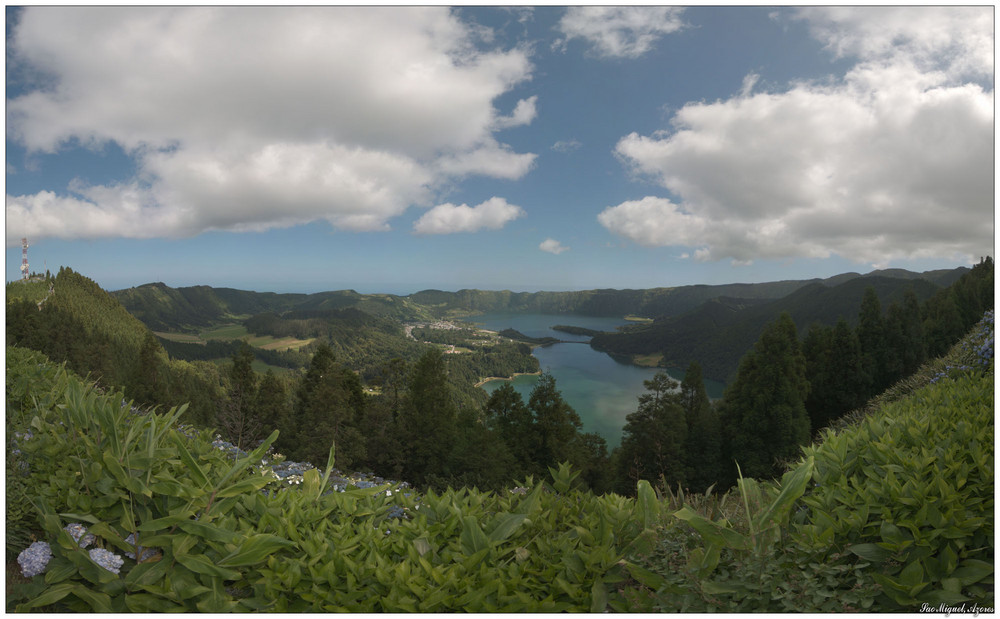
point(24, 258)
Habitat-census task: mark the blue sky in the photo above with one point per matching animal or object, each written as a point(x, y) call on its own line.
point(545, 148)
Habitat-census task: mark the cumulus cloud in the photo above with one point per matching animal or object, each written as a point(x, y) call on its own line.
point(254, 117)
point(566, 146)
point(523, 114)
point(493, 214)
point(893, 160)
point(619, 31)
point(552, 246)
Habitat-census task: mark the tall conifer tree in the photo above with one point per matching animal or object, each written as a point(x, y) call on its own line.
point(765, 415)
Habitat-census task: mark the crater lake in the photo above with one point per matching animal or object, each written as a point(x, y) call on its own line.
point(600, 389)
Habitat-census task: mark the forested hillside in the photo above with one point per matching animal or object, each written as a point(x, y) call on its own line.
point(719, 332)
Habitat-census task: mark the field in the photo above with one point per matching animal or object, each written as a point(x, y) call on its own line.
point(236, 332)
point(647, 361)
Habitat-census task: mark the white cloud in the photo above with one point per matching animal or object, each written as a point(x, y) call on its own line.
point(254, 117)
point(566, 146)
point(552, 246)
point(619, 31)
point(523, 114)
point(493, 214)
point(895, 160)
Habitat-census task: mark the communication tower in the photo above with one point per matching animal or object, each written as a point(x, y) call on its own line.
point(24, 258)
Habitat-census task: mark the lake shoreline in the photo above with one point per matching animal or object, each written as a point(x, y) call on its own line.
point(512, 377)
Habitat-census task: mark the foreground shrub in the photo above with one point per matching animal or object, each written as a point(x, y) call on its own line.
point(134, 514)
point(894, 511)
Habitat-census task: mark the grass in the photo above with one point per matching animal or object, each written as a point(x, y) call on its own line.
point(648, 361)
point(184, 338)
point(236, 332)
point(634, 318)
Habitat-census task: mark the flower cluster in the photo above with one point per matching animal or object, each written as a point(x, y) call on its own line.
point(79, 534)
point(34, 559)
point(144, 553)
point(106, 559)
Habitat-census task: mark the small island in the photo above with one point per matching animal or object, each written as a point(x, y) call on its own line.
point(516, 335)
point(576, 330)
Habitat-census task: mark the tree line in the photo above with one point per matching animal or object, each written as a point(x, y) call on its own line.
point(787, 390)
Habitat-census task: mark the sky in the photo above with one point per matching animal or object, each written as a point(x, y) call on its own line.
point(395, 149)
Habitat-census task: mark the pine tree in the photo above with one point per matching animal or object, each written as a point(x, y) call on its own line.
point(272, 406)
point(556, 423)
point(871, 337)
point(764, 415)
point(329, 406)
point(506, 413)
point(428, 419)
point(237, 417)
point(654, 436)
point(703, 447)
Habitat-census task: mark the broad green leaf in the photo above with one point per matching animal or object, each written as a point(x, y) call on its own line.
point(644, 576)
point(647, 505)
point(422, 545)
point(209, 532)
point(942, 596)
point(99, 602)
point(712, 587)
point(972, 571)
point(505, 526)
point(49, 596)
point(255, 549)
point(598, 597)
point(196, 471)
point(202, 565)
point(713, 532)
point(472, 538)
point(793, 485)
point(870, 552)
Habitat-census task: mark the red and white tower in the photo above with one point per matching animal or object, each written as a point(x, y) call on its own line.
point(24, 258)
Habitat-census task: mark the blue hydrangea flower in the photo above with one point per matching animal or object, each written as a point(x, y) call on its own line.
point(34, 559)
point(79, 531)
point(106, 559)
point(144, 553)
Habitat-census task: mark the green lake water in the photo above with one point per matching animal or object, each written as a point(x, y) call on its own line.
point(601, 390)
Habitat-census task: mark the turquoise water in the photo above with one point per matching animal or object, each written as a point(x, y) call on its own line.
point(601, 390)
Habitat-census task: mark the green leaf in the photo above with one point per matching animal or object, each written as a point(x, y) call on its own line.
point(99, 602)
point(870, 552)
point(942, 596)
point(49, 596)
point(209, 532)
point(912, 574)
point(644, 576)
point(202, 565)
point(505, 526)
point(422, 545)
point(712, 587)
point(196, 471)
point(972, 571)
point(472, 538)
point(648, 506)
point(793, 485)
point(255, 549)
point(216, 600)
point(713, 532)
point(598, 597)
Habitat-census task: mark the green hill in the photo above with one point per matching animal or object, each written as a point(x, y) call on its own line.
point(720, 331)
